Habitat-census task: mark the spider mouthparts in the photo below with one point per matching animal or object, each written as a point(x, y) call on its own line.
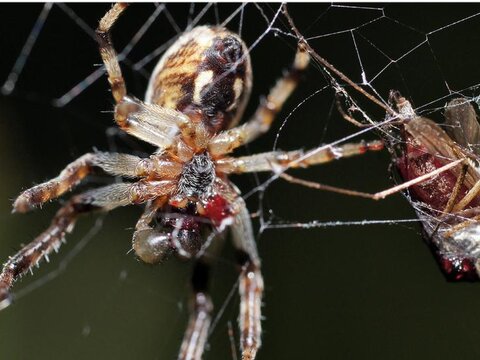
point(5, 298)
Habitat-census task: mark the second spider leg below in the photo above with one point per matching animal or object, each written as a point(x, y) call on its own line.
point(250, 282)
point(250, 291)
point(102, 199)
point(201, 308)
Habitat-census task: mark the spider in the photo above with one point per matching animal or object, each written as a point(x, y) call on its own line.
point(195, 98)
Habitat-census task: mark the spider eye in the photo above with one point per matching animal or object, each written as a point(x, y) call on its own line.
point(151, 247)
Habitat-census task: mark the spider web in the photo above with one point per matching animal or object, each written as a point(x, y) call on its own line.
point(339, 270)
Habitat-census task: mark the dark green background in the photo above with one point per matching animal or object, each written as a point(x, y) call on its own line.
point(370, 292)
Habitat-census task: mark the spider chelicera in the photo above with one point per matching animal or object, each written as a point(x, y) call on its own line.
point(195, 98)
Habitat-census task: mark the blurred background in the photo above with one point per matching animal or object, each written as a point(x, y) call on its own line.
point(335, 292)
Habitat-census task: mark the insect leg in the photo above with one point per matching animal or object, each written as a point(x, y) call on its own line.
point(472, 194)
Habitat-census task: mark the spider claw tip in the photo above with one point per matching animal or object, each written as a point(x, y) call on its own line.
point(5, 298)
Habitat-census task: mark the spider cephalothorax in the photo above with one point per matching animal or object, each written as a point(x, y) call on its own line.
point(195, 98)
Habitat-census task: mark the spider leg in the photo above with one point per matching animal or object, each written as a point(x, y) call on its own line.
point(379, 195)
point(280, 160)
point(263, 117)
point(251, 282)
point(201, 307)
point(105, 199)
point(112, 163)
point(456, 190)
point(108, 53)
point(148, 122)
point(153, 246)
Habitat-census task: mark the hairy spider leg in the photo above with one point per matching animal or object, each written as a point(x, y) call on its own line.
point(103, 199)
point(201, 307)
point(112, 163)
point(106, 198)
point(151, 123)
point(282, 160)
point(152, 246)
point(251, 282)
point(108, 53)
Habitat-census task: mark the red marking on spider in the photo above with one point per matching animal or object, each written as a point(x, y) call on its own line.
point(218, 210)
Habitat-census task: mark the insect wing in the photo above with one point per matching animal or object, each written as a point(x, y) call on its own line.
point(439, 144)
point(462, 124)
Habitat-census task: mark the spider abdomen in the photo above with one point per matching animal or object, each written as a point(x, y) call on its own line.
point(206, 74)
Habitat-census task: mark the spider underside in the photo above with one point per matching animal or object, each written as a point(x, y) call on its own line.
point(195, 99)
